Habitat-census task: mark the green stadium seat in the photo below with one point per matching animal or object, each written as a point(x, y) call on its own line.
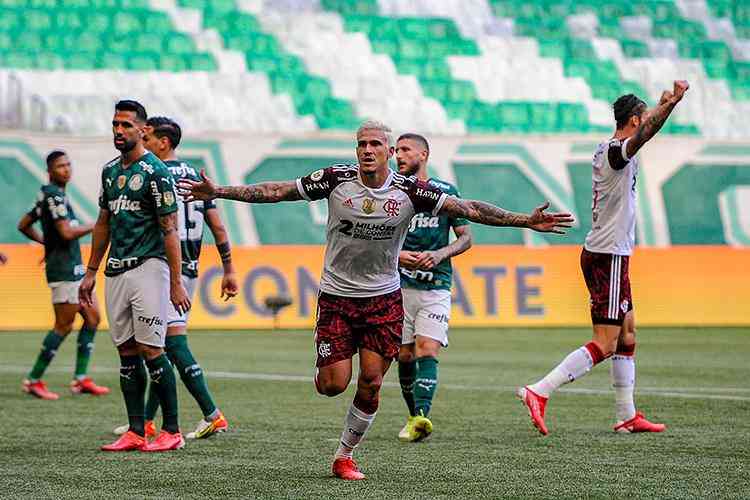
point(80, 61)
point(146, 42)
point(111, 60)
point(20, 60)
point(144, 61)
point(70, 20)
point(9, 20)
point(202, 62)
point(173, 62)
point(634, 48)
point(29, 40)
point(179, 43)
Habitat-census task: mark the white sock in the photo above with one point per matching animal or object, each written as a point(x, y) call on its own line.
point(623, 380)
point(356, 424)
point(577, 364)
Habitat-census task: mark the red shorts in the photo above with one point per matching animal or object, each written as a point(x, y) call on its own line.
point(346, 324)
point(608, 282)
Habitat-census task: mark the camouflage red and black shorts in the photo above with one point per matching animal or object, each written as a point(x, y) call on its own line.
point(608, 282)
point(346, 324)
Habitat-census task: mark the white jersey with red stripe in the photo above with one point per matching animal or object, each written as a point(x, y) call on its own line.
point(613, 207)
point(366, 227)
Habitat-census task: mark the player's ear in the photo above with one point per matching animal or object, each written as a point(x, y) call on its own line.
point(391, 151)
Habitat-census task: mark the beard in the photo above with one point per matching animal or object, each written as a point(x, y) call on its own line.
point(125, 147)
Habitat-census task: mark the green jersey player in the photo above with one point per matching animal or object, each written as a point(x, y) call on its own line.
point(162, 137)
point(138, 221)
point(426, 278)
point(64, 270)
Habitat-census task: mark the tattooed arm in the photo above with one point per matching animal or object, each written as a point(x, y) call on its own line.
point(490, 215)
point(264, 192)
point(177, 293)
point(656, 118)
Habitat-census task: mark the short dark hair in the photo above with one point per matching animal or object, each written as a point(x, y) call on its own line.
point(54, 155)
point(166, 127)
point(416, 137)
point(627, 106)
point(134, 106)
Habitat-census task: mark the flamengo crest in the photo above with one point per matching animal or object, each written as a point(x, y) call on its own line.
point(391, 207)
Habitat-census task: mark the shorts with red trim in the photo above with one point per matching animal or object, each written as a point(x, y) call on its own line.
point(608, 282)
point(346, 324)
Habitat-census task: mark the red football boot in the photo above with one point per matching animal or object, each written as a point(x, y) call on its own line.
point(87, 386)
point(165, 441)
point(39, 389)
point(346, 469)
point(638, 424)
point(536, 405)
point(127, 442)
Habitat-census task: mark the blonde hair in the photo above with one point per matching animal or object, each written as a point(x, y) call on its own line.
point(376, 125)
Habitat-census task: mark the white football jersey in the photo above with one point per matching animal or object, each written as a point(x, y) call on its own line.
point(613, 207)
point(366, 227)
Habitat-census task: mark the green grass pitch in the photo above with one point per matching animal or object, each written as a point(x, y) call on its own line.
point(283, 435)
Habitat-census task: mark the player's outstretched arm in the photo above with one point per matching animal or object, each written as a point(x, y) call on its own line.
point(26, 226)
point(99, 244)
point(177, 293)
point(656, 118)
point(229, 284)
point(490, 215)
point(264, 192)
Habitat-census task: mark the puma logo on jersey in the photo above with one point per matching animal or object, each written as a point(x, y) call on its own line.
point(123, 203)
point(423, 221)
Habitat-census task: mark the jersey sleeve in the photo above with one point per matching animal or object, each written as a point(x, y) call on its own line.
point(460, 221)
point(617, 155)
point(163, 191)
point(425, 197)
point(317, 185)
point(103, 202)
point(36, 210)
point(55, 204)
point(208, 204)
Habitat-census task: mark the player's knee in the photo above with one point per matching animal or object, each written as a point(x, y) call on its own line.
point(405, 354)
point(63, 328)
point(92, 319)
point(330, 386)
point(370, 384)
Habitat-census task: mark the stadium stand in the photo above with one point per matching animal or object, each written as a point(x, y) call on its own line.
point(451, 68)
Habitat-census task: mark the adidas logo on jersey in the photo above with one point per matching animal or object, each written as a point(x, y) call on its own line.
point(122, 202)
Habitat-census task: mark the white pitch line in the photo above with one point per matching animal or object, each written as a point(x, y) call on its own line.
point(690, 393)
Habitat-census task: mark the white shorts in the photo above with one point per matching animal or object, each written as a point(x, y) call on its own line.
point(174, 318)
point(65, 292)
point(137, 303)
point(426, 313)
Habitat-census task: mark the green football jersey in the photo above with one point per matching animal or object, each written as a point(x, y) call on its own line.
point(62, 258)
point(136, 197)
point(431, 232)
point(190, 219)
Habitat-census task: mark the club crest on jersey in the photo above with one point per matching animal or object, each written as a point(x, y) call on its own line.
point(392, 207)
point(348, 203)
point(168, 198)
point(324, 349)
point(136, 182)
point(121, 181)
point(317, 175)
point(368, 205)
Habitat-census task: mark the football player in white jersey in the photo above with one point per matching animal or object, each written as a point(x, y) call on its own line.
point(360, 308)
point(604, 262)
